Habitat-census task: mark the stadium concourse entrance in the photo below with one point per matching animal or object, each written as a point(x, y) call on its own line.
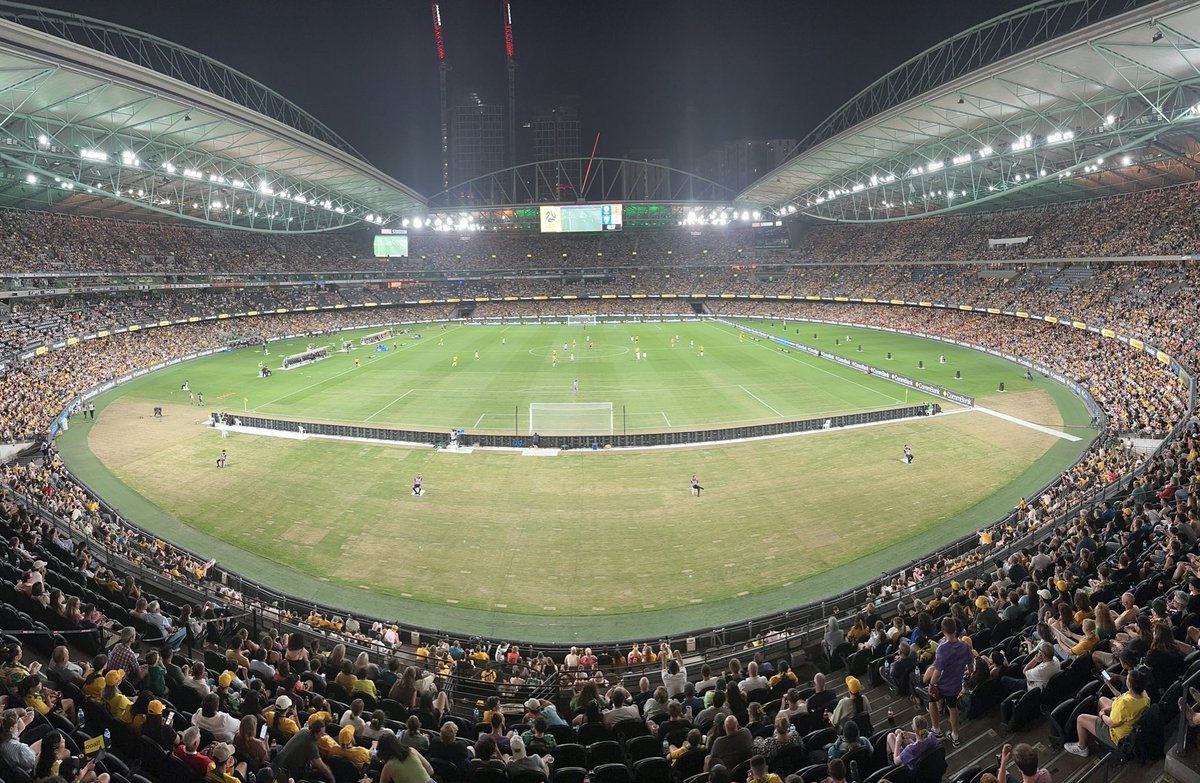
point(582, 440)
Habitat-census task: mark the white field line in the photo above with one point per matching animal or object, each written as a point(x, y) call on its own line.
point(760, 399)
point(800, 358)
point(1029, 424)
point(664, 415)
point(477, 421)
point(405, 347)
point(390, 404)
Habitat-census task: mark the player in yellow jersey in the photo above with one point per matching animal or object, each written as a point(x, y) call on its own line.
point(672, 342)
point(701, 350)
point(454, 361)
point(741, 337)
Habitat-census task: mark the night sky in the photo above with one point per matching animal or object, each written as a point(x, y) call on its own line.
point(674, 75)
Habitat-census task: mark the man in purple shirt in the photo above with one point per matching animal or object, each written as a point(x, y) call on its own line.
point(952, 663)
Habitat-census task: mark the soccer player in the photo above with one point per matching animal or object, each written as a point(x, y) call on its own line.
point(908, 455)
point(477, 356)
point(942, 359)
point(199, 401)
point(441, 341)
point(184, 387)
point(575, 387)
point(589, 342)
point(191, 398)
point(416, 489)
point(454, 361)
point(696, 488)
point(504, 341)
point(637, 354)
point(221, 459)
point(701, 350)
point(356, 361)
point(672, 342)
point(741, 337)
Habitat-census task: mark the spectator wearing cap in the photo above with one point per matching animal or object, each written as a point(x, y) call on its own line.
point(117, 703)
point(344, 748)
point(985, 615)
point(535, 708)
point(281, 718)
point(850, 741)
point(221, 754)
point(123, 657)
point(210, 718)
point(1041, 666)
point(156, 727)
point(522, 762)
point(853, 703)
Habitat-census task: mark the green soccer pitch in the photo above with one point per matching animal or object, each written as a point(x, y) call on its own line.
point(584, 545)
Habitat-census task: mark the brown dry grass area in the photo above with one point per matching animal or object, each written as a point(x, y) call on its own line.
point(1034, 406)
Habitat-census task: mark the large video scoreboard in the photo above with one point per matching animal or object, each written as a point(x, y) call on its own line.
point(580, 217)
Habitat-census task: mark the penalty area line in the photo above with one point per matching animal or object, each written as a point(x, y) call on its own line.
point(390, 404)
point(755, 396)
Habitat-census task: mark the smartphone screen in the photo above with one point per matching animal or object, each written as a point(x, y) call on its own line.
point(262, 733)
point(1106, 676)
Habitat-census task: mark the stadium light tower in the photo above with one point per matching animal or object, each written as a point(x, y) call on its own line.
point(443, 67)
point(512, 84)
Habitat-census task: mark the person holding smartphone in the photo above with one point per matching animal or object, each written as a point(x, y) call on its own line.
point(251, 743)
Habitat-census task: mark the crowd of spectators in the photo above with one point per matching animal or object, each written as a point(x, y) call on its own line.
point(1148, 223)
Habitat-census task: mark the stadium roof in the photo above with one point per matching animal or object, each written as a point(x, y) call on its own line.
point(1057, 101)
point(101, 119)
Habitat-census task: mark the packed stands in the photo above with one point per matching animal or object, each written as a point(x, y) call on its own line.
point(1098, 567)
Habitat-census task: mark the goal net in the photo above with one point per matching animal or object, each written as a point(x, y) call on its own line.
point(582, 320)
point(571, 418)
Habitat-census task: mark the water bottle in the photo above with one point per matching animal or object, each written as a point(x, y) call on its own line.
point(79, 717)
point(107, 738)
point(477, 715)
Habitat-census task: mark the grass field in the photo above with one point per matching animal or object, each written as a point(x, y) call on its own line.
point(582, 545)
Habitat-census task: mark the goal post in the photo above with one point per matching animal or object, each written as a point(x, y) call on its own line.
point(571, 418)
point(582, 320)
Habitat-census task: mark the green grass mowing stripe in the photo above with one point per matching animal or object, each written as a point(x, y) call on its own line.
point(589, 623)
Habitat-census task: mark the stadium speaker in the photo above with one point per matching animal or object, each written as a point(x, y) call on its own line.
point(889, 355)
point(814, 335)
point(837, 341)
point(920, 364)
point(1001, 386)
point(860, 349)
point(958, 375)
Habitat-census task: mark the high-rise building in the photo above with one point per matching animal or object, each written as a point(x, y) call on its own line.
point(736, 164)
point(555, 126)
point(477, 143)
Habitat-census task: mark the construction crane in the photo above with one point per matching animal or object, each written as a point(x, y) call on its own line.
point(512, 84)
point(443, 68)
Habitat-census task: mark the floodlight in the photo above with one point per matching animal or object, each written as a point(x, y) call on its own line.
point(31, 179)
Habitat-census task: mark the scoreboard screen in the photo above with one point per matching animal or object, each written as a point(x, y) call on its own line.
point(392, 243)
point(580, 217)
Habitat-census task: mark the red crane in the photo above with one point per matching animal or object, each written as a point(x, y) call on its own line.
point(512, 84)
point(443, 68)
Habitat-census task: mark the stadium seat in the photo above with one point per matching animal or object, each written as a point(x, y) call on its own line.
point(590, 733)
point(611, 773)
point(562, 734)
point(690, 764)
point(1020, 709)
point(604, 752)
point(528, 776)
point(444, 771)
point(645, 747)
point(814, 773)
point(628, 729)
point(652, 770)
point(789, 760)
point(569, 754)
point(931, 767)
point(569, 774)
